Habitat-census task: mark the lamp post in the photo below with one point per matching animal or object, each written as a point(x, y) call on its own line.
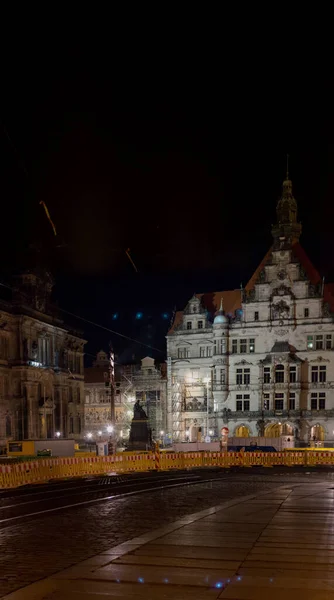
point(112, 402)
point(206, 380)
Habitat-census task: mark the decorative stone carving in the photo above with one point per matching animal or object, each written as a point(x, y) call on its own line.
point(282, 332)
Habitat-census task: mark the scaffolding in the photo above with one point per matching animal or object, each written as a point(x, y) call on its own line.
point(149, 387)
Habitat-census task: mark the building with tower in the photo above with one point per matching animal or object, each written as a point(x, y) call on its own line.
point(41, 365)
point(258, 360)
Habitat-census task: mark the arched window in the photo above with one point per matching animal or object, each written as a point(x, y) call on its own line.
point(279, 374)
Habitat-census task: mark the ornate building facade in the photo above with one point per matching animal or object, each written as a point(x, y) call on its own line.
point(145, 382)
point(258, 360)
point(41, 366)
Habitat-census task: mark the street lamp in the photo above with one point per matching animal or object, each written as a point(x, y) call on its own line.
point(110, 429)
point(89, 435)
point(58, 434)
point(100, 433)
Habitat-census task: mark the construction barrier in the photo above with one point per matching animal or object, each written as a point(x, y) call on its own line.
point(43, 470)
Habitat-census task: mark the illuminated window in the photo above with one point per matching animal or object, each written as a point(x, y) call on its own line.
point(252, 345)
point(266, 400)
point(310, 342)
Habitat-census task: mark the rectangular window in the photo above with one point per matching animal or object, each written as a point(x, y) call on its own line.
point(202, 351)
point(189, 325)
point(279, 374)
point(266, 375)
point(256, 316)
point(322, 401)
point(314, 401)
point(200, 324)
point(318, 401)
point(222, 346)
point(319, 342)
point(208, 351)
point(310, 342)
point(234, 346)
point(252, 345)
point(322, 374)
point(293, 374)
point(328, 342)
point(239, 377)
point(243, 346)
point(306, 312)
point(292, 401)
point(222, 376)
point(314, 374)
point(183, 353)
point(279, 401)
point(246, 376)
point(266, 399)
point(242, 402)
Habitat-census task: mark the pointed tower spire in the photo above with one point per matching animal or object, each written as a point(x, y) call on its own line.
point(221, 304)
point(287, 230)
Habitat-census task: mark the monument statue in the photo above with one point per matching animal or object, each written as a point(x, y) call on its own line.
point(140, 433)
point(138, 411)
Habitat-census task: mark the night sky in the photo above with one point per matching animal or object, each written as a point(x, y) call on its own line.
point(178, 157)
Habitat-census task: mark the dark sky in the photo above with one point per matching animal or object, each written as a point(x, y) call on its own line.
point(178, 156)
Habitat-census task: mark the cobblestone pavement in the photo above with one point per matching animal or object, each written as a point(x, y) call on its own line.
point(40, 546)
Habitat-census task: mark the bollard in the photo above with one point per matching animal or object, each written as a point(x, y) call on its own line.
point(157, 457)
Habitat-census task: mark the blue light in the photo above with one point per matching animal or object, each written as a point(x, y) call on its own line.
point(164, 315)
point(140, 580)
point(219, 584)
point(139, 315)
point(165, 580)
point(239, 578)
point(115, 316)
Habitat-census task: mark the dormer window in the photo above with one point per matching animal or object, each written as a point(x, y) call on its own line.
point(194, 309)
point(189, 325)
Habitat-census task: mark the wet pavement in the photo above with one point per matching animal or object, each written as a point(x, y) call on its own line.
point(37, 546)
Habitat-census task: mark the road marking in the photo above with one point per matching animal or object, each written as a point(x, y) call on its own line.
point(161, 487)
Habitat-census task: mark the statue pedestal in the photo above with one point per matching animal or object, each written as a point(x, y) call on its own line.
point(140, 435)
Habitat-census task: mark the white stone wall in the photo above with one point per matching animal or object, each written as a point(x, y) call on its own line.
point(282, 309)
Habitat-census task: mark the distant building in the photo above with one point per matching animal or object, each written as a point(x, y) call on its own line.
point(145, 382)
point(41, 365)
point(260, 360)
